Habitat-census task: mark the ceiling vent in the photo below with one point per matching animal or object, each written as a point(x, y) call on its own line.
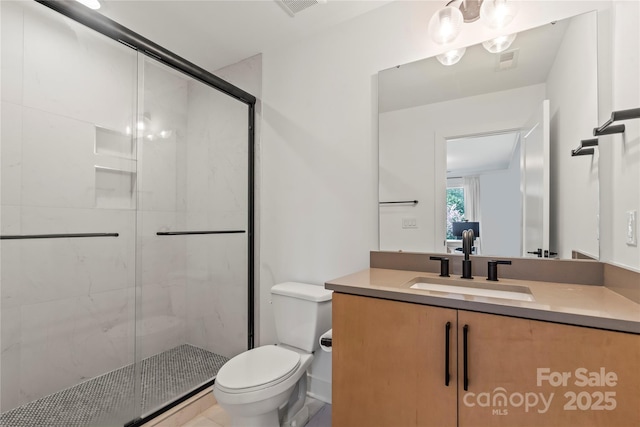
point(507, 60)
point(296, 6)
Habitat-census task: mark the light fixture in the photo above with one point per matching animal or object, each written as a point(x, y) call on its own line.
point(446, 24)
point(498, 13)
point(451, 57)
point(499, 44)
point(91, 4)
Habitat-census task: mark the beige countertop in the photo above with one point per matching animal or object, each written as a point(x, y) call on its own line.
point(582, 305)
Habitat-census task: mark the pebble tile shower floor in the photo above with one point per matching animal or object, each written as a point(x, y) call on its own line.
point(108, 400)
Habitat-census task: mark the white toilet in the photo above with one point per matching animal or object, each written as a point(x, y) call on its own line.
point(267, 386)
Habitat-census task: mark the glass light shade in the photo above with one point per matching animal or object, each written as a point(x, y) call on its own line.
point(451, 57)
point(498, 13)
point(91, 4)
point(445, 25)
point(499, 44)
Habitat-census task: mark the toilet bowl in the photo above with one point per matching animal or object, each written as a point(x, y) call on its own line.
point(256, 383)
point(266, 386)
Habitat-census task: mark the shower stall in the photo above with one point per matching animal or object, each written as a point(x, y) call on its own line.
point(126, 258)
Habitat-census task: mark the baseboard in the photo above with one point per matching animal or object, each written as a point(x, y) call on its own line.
point(320, 389)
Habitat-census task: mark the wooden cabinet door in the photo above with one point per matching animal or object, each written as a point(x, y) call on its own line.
point(531, 373)
point(389, 364)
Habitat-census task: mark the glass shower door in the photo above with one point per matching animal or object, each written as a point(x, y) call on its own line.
point(192, 232)
point(124, 209)
point(68, 222)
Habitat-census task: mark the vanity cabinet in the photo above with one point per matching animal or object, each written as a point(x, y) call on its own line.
point(389, 364)
point(524, 372)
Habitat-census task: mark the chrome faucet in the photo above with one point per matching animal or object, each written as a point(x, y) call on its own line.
point(467, 245)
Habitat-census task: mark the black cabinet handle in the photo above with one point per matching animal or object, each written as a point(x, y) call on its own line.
point(447, 329)
point(465, 346)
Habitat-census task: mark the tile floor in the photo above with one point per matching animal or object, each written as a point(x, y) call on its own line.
point(215, 416)
point(202, 410)
point(107, 399)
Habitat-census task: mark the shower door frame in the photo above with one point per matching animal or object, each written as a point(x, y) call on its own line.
point(135, 41)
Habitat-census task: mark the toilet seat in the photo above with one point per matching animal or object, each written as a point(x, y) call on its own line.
point(257, 369)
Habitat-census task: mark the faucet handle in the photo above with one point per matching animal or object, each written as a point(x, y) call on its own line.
point(444, 265)
point(492, 269)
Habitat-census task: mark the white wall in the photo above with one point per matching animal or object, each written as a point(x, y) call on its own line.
point(573, 114)
point(319, 176)
point(619, 89)
point(501, 210)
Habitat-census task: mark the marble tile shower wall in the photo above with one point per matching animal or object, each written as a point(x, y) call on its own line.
point(217, 183)
point(162, 270)
point(68, 305)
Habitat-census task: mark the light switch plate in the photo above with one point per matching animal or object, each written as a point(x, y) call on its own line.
point(632, 227)
point(409, 223)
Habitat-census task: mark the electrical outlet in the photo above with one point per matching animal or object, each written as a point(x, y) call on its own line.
point(632, 238)
point(409, 223)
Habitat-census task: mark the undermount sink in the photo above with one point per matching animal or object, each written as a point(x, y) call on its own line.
point(454, 287)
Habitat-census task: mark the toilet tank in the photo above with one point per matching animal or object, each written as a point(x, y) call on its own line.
point(302, 313)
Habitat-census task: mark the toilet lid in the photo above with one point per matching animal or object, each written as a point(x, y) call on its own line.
point(258, 368)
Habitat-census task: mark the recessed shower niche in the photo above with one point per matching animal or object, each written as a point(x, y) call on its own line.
point(115, 169)
point(115, 188)
point(113, 143)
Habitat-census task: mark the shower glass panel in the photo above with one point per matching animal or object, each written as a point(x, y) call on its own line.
point(68, 167)
point(193, 178)
point(124, 214)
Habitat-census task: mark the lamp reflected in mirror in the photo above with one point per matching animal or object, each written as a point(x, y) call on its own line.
point(451, 57)
point(499, 44)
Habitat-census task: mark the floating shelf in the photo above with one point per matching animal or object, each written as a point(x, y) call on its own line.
point(608, 128)
point(617, 116)
point(582, 150)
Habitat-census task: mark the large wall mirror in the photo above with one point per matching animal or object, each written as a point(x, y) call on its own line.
point(488, 140)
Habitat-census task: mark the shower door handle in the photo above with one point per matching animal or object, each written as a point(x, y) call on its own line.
point(55, 236)
point(187, 233)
